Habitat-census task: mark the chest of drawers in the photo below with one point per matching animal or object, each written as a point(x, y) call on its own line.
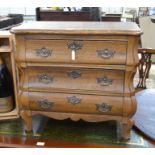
point(77, 70)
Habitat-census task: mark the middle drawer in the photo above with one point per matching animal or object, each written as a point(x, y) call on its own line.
point(49, 78)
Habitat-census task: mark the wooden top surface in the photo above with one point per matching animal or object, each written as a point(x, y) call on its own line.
point(61, 27)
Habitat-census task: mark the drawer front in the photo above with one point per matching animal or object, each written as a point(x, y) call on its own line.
point(49, 78)
point(75, 103)
point(69, 51)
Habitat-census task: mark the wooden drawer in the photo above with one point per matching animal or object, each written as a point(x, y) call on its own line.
point(89, 52)
point(73, 103)
point(49, 78)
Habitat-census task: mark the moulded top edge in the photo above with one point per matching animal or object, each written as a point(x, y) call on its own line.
point(67, 27)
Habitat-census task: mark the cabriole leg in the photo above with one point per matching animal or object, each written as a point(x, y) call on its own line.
point(26, 116)
point(124, 128)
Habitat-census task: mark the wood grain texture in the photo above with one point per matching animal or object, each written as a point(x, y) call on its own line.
point(46, 78)
point(96, 86)
point(87, 54)
point(86, 105)
point(121, 28)
point(27, 117)
point(77, 117)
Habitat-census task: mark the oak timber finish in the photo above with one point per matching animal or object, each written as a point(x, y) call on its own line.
point(85, 104)
point(46, 79)
point(77, 70)
point(90, 51)
point(92, 28)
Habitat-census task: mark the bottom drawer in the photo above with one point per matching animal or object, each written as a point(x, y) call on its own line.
point(72, 103)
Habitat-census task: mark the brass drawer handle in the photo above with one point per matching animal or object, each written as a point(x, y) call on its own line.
point(103, 107)
point(104, 81)
point(43, 52)
point(74, 46)
point(45, 78)
point(45, 104)
point(74, 74)
point(73, 100)
point(105, 53)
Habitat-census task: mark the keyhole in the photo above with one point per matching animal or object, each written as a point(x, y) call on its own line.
point(73, 55)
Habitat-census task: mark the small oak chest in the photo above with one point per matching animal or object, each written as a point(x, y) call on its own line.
point(77, 70)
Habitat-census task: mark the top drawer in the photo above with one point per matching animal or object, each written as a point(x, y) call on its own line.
point(71, 51)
